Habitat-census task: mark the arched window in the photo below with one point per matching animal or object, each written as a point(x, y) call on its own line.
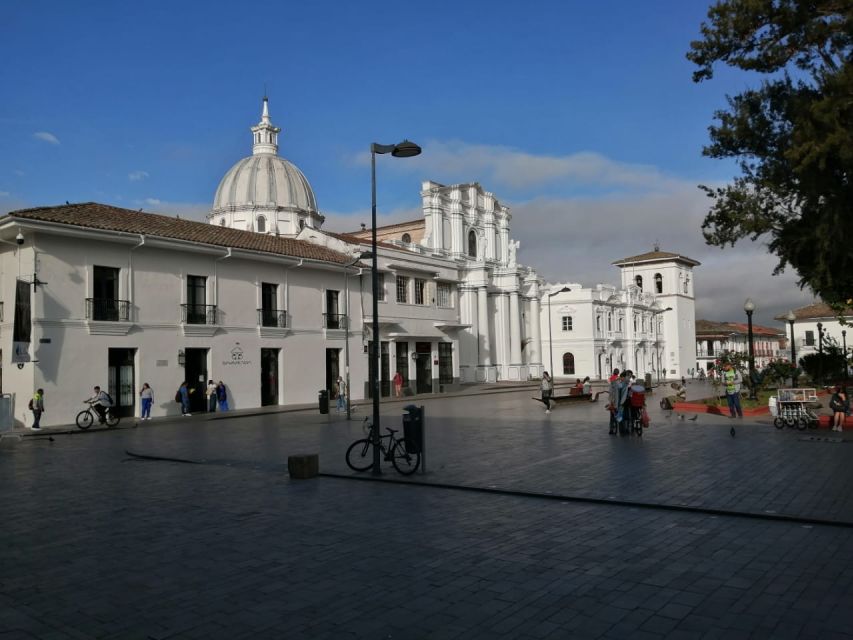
point(686, 283)
point(658, 283)
point(639, 281)
point(302, 223)
point(568, 364)
point(222, 222)
point(610, 322)
point(621, 327)
point(598, 323)
point(635, 323)
point(472, 243)
point(406, 238)
point(262, 224)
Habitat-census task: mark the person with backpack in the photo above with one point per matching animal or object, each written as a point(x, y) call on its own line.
point(37, 407)
point(101, 401)
point(840, 406)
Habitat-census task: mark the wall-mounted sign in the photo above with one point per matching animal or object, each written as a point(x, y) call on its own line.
point(237, 357)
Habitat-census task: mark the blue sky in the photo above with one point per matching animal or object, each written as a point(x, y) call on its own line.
point(582, 116)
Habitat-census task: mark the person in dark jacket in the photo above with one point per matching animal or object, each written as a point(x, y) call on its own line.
point(840, 406)
point(37, 407)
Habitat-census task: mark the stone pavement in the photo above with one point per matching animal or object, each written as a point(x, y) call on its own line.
point(97, 545)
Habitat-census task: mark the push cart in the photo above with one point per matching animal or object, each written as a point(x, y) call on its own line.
point(795, 408)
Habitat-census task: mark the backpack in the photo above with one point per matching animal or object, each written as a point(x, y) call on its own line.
point(108, 398)
point(178, 396)
point(638, 399)
point(31, 404)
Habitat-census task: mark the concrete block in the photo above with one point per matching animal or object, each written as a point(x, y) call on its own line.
point(303, 466)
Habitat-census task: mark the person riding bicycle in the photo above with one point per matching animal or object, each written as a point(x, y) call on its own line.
point(101, 401)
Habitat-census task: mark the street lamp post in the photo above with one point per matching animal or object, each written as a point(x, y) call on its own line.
point(404, 149)
point(791, 318)
point(844, 342)
point(749, 307)
point(820, 352)
point(657, 346)
point(550, 338)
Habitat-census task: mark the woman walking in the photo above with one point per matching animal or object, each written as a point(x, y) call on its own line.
point(547, 387)
point(146, 396)
point(184, 393)
point(222, 396)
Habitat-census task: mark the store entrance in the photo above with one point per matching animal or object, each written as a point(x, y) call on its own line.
point(195, 367)
point(120, 382)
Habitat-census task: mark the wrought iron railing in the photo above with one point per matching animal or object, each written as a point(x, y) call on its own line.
point(334, 321)
point(198, 313)
point(272, 318)
point(107, 309)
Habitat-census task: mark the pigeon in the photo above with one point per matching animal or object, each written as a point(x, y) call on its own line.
point(694, 417)
point(681, 416)
point(732, 432)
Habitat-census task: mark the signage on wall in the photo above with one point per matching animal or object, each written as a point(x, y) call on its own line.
point(238, 358)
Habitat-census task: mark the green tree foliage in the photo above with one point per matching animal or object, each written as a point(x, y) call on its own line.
point(826, 366)
point(792, 137)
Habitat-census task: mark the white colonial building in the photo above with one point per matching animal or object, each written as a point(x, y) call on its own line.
point(715, 338)
point(266, 300)
point(816, 320)
point(647, 325)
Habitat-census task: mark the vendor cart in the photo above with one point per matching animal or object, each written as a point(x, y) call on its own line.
point(795, 408)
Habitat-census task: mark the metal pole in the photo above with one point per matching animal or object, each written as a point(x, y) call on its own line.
point(844, 341)
point(820, 352)
point(793, 354)
point(550, 338)
point(374, 353)
point(751, 356)
point(346, 339)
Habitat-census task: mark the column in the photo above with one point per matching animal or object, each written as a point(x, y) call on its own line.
point(514, 329)
point(535, 333)
point(483, 326)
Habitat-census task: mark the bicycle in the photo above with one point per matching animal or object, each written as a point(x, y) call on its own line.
point(396, 450)
point(86, 418)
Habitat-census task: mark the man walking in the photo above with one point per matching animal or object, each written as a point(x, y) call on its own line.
point(732, 379)
point(37, 407)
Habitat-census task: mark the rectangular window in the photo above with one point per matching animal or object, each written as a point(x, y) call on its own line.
point(567, 323)
point(269, 304)
point(380, 285)
point(197, 300)
point(333, 318)
point(420, 290)
point(402, 289)
point(105, 302)
point(445, 295)
point(403, 361)
point(809, 338)
point(445, 363)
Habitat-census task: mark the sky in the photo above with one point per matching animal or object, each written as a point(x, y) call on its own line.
point(582, 117)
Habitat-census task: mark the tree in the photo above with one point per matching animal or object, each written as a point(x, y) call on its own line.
point(792, 137)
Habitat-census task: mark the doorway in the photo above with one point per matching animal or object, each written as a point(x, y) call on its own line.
point(332, 369)
point(269, 376)
point(120, 382)
point(423, 367)
point(195, 369)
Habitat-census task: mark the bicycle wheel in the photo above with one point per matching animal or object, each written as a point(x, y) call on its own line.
point(779, 422)
point(85, 419)
point(802, 422)
point(404, 462)
point(112, 419)
point(359, 455)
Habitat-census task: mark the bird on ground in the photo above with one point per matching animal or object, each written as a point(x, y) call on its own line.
point(681, 416)
point(732, 432)
point(694, 417)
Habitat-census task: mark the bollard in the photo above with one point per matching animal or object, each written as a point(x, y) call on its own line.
point(304, 466)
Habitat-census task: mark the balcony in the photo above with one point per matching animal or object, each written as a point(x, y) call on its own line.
point(199, 314)
point(274, 318)
point(334, 321)
point(107, 310)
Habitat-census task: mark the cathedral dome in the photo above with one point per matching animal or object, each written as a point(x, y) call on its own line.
point(264, 192)
point(264, 180)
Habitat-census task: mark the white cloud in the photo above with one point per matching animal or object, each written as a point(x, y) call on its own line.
point(136, 176)
point(508, 168)
point(154, 202)
point(46, 136)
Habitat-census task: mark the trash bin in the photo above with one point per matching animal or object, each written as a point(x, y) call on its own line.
point(648, 382)
point(324, 401)
point(413, 428)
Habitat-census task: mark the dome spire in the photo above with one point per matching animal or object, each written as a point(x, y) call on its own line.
point(265, 134)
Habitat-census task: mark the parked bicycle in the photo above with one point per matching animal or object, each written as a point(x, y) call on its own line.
point(87, 417)
point(360, 452)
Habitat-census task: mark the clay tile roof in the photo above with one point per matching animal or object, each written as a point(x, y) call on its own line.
point(709, 328)
point(93, 215)
point(418, 222)
point(816, 310)
point(657, 256)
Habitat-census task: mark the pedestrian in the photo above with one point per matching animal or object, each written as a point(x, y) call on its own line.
point(547, 388)
point(222, 396)
point(840, 406)
point(342, 394)
point(146, 396)
point(398, 384)
point(184, 395)
point(587, 386)
point(732, 380)
point(37, 407)
point(210, 393)
point(614, 401)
